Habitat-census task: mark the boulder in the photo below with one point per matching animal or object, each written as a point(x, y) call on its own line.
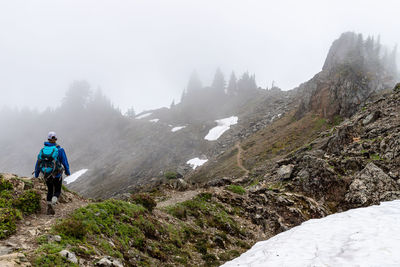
point(70, 256)
point(369, 186)
point(371, 117)
point(219, 182)
point(180, 184)
point(285, 171)
point(109, 262)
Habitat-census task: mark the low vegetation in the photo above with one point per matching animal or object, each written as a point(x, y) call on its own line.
point(187, 234)
point(170, 175)
point(237, 189)
point(145, 200)
point(14, 204)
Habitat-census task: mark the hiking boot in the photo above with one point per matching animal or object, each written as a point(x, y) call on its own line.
point(50, 209)
point(54, 200)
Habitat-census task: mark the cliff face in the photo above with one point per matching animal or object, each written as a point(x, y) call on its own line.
point(354, 69)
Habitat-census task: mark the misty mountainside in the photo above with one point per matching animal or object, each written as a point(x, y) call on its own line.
point(353, 164)
point(123, 152)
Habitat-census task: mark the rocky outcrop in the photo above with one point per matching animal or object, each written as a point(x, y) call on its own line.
point(69, 256)
point(354, 164)
point(352, 72)
point(369, 186)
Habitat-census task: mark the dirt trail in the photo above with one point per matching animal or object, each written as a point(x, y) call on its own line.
point(179, 196)
point(30, 227)
point(239, 159)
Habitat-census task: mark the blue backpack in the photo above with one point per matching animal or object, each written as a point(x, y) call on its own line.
point(48, 160)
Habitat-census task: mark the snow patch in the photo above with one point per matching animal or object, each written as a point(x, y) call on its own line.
point(145, 115)
point(154, 120)
point(359, 237)
point(196, 162)
point(73, 177)
point(175, 129)
point(221, 128)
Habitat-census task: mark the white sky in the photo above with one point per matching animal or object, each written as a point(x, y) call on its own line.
point(141, 52)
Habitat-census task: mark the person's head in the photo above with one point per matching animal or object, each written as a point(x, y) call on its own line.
point(52, 137)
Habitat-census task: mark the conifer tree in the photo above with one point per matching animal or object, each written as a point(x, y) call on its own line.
point(194, 83)
point(392, 64)
point(130, 112)
point(247, 82)
point(183, 96)
point(232, 88)
point(219, 81)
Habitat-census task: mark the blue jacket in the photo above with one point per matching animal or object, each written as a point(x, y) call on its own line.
point(62, 157)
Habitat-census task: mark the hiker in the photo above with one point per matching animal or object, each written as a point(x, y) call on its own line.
point(52, 161)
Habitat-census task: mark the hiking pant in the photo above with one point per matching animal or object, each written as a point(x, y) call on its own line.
point(53, 187)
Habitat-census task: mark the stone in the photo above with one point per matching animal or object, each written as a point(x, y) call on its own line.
point(285, 171)
point(219, 242)
point(104, 262)
point(10, 244)
point(13, 260)
point(109, 262)
point(219, 182)
point(5, 250)
point(180, 184)
point(53, 238)
point(70, 256)
point(389, 196)
point(371, 117)
point(369, 186)
point(57, 238)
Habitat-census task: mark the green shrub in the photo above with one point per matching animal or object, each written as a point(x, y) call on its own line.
point(6, 199)
point(5, 184)
point(71, 228)
point(236, 189)
point(8, 219)
point(178, 211)
point(50, 260)
point(145, 200)
point(375, 157)
point(210, 259)
point(397, 88)
point(28, 202)
point(229, 255)
point(170, 175)
point(201, 246)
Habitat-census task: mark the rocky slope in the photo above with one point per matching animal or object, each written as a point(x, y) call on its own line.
point(352, 164)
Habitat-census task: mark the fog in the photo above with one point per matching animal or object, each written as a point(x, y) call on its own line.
point(141, 53)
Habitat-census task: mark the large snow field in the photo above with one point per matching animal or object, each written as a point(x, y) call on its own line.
point(359, 237)
point(73, 177)
point(196, 162)
point(221, 128)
